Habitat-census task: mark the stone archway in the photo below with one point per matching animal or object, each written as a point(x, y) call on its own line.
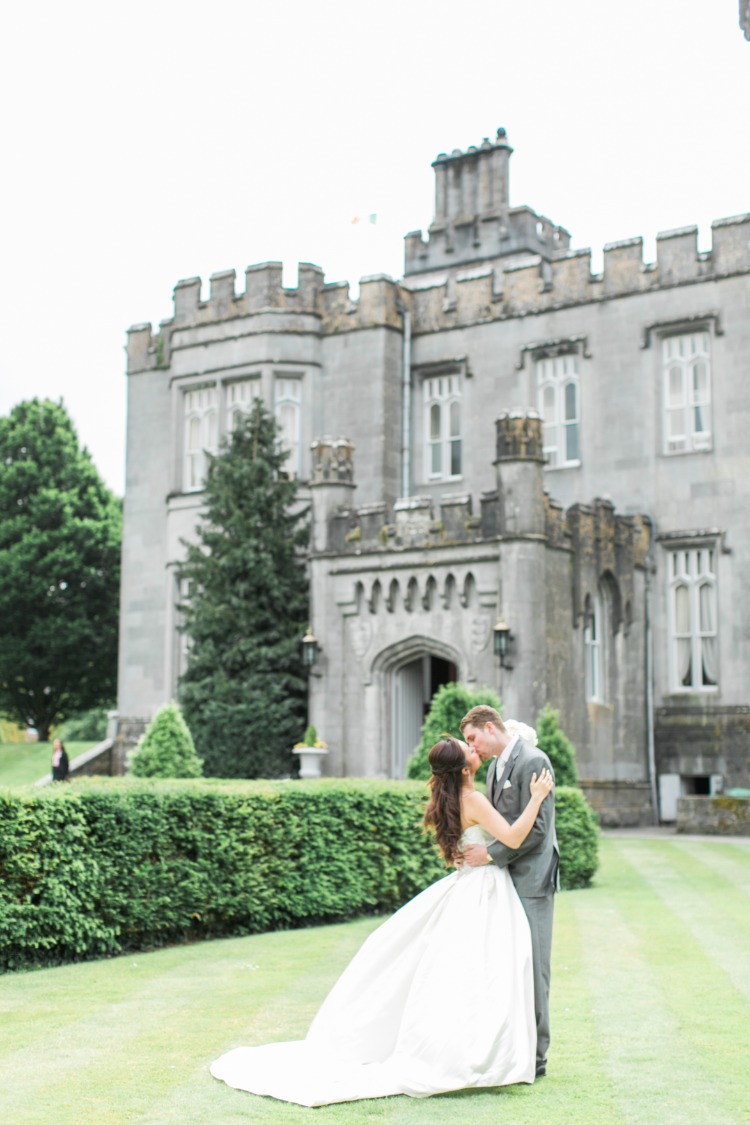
point(408, 675)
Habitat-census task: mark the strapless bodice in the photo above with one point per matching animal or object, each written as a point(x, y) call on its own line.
point(475, 834)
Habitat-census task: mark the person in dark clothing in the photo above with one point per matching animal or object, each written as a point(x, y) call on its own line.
point(60, 763)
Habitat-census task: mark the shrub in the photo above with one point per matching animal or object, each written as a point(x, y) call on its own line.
point(449, 705)
point(578, 838)
point(558, 748)
point(109, 865)
point(310, 738)
point(166, 749)
point(89, 726)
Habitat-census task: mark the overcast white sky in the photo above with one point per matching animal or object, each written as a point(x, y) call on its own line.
point(148, 142)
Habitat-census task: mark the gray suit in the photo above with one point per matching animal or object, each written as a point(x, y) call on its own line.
point(533, 867)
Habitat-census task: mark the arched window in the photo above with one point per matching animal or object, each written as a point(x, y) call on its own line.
point(239, 400)
point(693, 619)
point(288, 409)
point(200, 434)
point(558, 401)
point(593, 643)
point(443, 427)
point(687, 392)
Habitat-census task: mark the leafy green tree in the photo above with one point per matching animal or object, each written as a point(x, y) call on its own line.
point(244, 692)
point(449, 705)
point(167, 748)
point(60, 533)
point(557, 746)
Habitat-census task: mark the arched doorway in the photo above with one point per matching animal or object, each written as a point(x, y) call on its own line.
point(414, 685)
point(413, 672)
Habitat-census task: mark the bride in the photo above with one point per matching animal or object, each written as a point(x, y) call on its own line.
point(440, 997)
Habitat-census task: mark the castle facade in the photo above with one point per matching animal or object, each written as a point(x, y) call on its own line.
point(499, 443)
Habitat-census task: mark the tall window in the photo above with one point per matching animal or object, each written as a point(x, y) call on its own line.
point(200, 434)
point(288, 409)
point(442, 426)
point(687, 392)
point(558, 398)
point(693, 620)
point(594, 650)
point(239, 400)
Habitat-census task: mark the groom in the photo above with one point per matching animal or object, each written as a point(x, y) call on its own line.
point(534, 866)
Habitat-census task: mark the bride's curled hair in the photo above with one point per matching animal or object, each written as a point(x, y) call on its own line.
point(443, 813)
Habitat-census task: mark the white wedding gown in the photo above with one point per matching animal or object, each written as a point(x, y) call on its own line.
point(440, 997)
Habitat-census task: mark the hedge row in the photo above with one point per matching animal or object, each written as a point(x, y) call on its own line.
point(103, 866)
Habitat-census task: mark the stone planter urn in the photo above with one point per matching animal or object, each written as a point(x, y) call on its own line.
point(310, 759)
point(311, 752)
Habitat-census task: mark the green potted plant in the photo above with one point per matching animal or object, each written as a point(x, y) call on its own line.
point(311, 752)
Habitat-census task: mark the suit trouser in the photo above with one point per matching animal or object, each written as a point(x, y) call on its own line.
point(539, 912)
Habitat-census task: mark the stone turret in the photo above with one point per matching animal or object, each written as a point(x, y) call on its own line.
point(332, 483)
point(519, 463)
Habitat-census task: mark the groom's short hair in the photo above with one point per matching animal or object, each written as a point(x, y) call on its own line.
point(480, 715)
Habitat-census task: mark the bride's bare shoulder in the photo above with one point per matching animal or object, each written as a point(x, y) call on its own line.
point(472, 805)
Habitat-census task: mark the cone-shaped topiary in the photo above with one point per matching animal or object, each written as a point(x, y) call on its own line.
point(449, 705)
point(578, 837)
point(166, 749)
point(557, 746)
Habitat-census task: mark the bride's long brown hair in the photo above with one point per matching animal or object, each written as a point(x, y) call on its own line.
point(443, 813)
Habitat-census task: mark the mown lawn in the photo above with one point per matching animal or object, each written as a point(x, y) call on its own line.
point(23, 763)
point(651, 1011)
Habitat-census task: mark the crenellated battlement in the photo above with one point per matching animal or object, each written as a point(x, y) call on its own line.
point(596, 533)
point(535, 284)
point(517, 508)
point(517, 287)
point(378, 305)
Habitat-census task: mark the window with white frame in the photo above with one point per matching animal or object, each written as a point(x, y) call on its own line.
point(240, 397)
point(201, 434)
point(687, 392)
point(693, 619)
point(442, 396)
point(593, 643)
point(288, 412)
point(559, 407)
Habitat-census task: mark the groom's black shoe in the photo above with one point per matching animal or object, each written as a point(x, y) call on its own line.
point(541, 1071)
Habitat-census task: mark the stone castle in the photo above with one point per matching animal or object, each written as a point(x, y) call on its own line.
point(513, 440)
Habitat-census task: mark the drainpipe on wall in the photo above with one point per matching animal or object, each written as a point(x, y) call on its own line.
point(406, 404)
point(650, 569)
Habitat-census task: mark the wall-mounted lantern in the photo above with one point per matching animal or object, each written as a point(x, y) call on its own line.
point(310, 649)
point(502, 640)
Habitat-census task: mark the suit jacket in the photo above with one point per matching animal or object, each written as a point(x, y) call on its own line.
point(534, 866)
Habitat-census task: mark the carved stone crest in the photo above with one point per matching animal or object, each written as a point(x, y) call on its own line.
point(480, 632)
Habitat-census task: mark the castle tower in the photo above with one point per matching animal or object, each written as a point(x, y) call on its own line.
point(473, 217)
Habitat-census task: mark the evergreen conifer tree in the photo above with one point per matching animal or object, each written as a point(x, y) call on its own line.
point(244, 692)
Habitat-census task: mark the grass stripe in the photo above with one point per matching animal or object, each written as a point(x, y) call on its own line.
point(631, 1019)
point(708, 1016)
point(729, 860)
point(186, 1007)
point(649, 1020)
point(712, 909)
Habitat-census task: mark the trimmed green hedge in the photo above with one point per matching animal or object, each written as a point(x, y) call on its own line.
point(101, 867)
point(104, 866)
